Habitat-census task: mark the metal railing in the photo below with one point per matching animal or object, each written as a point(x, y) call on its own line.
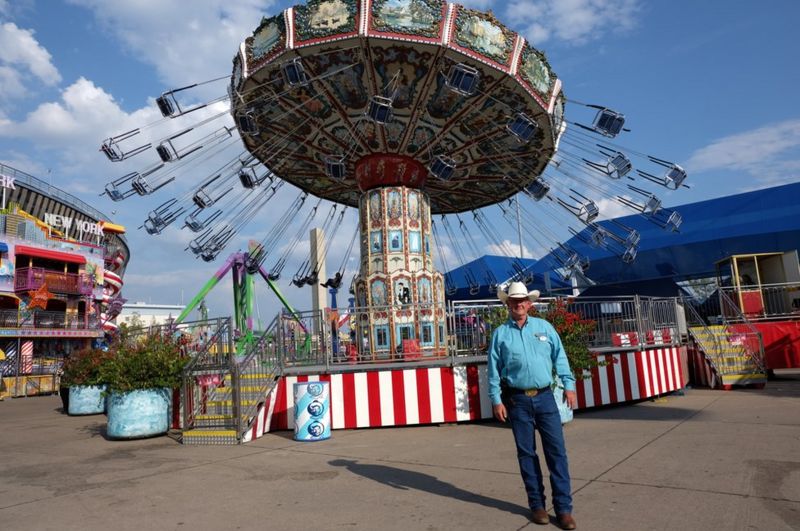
point(47, 319)
point(30, 278)
point(743, 334)
point(707, 339)
point(211, 359)
point(375, 341)
point(629, 322)
point(295, 338)
point(255, 375)
point(765, 301)
point(731, 348)
point(470, 325)
point(619, 322)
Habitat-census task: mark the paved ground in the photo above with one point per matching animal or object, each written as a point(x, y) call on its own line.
point(704, 460)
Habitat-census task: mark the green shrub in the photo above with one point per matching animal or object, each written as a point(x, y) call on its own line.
point(84, 367)
point(148, 362)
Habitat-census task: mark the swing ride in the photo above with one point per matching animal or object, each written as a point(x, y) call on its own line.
point(405, 110)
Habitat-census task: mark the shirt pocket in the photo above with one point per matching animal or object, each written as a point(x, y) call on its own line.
point(513, 361)
point(542, 346)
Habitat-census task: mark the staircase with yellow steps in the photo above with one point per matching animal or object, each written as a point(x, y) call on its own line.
point(730, 358)
point(214, 423)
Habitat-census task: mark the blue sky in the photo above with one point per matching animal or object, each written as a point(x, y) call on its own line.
point(710, 85)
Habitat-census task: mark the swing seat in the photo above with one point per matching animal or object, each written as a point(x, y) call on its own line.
point(608, 123)
point(462, 79)
point(380, 109)
point(522, 127)
point(442, 167)
point(618, 166)
point(294, 74)
point(538, 189)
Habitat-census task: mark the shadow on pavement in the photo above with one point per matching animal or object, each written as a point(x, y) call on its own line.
point(98, 429)
point(406, 479)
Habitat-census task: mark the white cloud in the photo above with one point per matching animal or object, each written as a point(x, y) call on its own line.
point(73, 128)
point(185, 43)
point(770, 154)
point(573, 21)
point(507, 245)
point(747, 150)
point(11, 86)
point(82, 109)
point(611, 208)
point(20, 49)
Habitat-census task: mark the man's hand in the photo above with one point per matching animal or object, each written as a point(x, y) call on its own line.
point(571, 398)
point(499, 411)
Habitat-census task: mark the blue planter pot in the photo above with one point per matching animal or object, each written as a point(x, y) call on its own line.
point(86, 399)
point(141, 413)
point(563, 408)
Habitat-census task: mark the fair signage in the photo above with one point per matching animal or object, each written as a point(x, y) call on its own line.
point(6, 183)
point(68, 224)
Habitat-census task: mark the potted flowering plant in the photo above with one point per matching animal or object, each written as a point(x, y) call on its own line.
point(574, 331)
point(82, 375)
point(141, 376)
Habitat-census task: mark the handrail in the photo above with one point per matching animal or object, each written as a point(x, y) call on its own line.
point(772, 301)
point(190, 407)
point(245, 412)
point(731, 309)
point(223, 326)
point(695, 321)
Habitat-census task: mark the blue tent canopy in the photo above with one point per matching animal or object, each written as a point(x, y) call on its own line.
point(765, 220)
point(500, 269)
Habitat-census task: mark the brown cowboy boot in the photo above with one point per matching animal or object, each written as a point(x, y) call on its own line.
point(566, 521)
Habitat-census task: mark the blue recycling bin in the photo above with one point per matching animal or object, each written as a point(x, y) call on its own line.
point(312, 411)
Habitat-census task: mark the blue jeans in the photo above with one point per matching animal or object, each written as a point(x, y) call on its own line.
point(527, 413)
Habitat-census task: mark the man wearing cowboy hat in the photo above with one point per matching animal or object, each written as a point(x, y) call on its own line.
point(523, 355)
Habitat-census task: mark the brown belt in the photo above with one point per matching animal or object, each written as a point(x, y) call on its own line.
point(528, 392)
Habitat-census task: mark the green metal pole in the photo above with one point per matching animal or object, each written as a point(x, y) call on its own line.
point(213, 281)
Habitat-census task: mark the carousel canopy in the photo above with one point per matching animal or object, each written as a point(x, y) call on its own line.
point(337, 96)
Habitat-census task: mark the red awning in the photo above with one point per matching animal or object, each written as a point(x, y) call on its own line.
point(50, 254)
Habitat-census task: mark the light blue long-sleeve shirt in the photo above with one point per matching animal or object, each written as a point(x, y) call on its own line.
point(525, 357)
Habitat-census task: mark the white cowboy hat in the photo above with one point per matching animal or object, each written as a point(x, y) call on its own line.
point(517, 290)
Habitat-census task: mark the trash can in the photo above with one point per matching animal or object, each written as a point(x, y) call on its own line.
point(312, 411)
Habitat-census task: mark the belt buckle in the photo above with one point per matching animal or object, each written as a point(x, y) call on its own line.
point(531, 392)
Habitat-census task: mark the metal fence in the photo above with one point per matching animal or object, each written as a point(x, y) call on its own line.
point(629, 321)
point(765, 301)
point(619, 322)
point(47, 319)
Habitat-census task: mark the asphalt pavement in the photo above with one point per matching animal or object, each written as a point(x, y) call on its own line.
point(700, 459)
